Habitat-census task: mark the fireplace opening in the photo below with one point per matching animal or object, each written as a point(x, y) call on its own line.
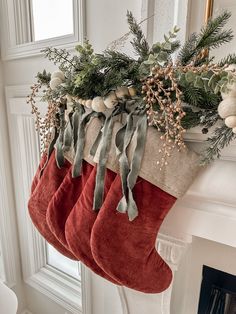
point(218, 292)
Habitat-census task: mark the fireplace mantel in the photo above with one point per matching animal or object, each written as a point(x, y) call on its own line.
point(207, 211)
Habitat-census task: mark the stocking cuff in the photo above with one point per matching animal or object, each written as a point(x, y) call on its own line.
point(174, 179)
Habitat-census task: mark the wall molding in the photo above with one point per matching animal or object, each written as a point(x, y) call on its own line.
point(86, 288)
point(165, 14)
point(171, 250)
point(15, 28)
point(8, 227)
point(56, 285)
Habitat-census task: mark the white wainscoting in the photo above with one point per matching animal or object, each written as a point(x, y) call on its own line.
point(59, 287)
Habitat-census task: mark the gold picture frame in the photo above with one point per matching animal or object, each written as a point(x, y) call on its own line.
point(208, 10)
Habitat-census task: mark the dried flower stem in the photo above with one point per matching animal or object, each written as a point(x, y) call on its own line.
point(165, 111)
point(44, 124)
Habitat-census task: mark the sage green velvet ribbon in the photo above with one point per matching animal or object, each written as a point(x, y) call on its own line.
point(71, 130)
point(67, 142)
point(60, 160)
point(122, 141)
point(103, 156)
point(50, 149)
point(129, 176)
point(79, 111)
point(77, 165)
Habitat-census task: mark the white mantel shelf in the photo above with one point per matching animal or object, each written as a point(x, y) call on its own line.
point(208, 209)
point(196, 140)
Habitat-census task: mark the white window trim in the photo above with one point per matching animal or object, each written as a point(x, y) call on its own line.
point(71, 294)
point(16, 27)
point(8, 230)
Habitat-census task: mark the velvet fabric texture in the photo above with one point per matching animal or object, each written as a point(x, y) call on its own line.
point(126, 250)
point(39, 200)
point(36, 178)
point(64, 200)
point(80, 223)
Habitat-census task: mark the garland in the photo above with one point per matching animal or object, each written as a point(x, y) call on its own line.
point(180, 86)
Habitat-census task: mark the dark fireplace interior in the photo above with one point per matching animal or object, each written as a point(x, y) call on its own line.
point(218, 292)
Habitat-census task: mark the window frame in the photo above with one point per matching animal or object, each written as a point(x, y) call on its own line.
point(17, 27)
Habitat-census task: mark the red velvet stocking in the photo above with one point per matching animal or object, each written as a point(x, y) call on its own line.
point(80, 222)
point(37, 175)
point(48, 184)
point(126, 250)
point(64, 200)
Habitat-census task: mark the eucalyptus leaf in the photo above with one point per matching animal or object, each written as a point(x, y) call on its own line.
point(162, 56)
point(151, 60)
point(167, 46)
point(213, 81)
point(190, 77)
point(166, 38)
point(217, 89)
point(176, 29)
point(198, 83)
point(144, 70)
point(156, 47)
point(182, 80)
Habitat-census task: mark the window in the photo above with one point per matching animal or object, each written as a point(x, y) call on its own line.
point(62, 263)
point(52, 18)
point(37, 24)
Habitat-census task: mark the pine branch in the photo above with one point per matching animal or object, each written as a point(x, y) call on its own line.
point(118, 69)
point(220, 139)
point(230, 59)
point(114, 59)
point(192, 95)
point(191, 119)
point(175, 45)
point(44, 77)
point(212, 33)
point(61, 57)
point(210, 37)
point(139, 42)
point(188, 50)
point(209, 118)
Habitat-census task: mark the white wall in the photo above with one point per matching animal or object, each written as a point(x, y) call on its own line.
point(105, 21)
point(9, 243)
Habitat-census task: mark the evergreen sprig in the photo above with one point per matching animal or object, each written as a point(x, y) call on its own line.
point(44, 77)
point(62, 58)
point(88, 74)
point(211, 36)
point(139, 42)
point(221, 138)
point(230, 59)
